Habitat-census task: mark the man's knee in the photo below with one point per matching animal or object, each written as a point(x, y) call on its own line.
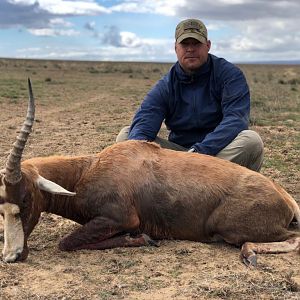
point(247, 149)
point(252, 142)
point(123, 134)
point(253, 148)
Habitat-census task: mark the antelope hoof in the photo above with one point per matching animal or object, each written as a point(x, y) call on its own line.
point(250, 261)
point(149, 241)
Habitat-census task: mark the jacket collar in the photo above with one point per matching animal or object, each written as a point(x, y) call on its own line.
point(188, 78)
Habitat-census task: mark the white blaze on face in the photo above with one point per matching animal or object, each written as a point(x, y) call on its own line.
point(1, 226)
point(2, 187)
point(13, 232)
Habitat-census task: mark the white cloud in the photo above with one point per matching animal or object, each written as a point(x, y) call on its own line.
point(40, 13)
point(55, 28)
point(22, 2)
point(53, 32)
point(242, 29)
point(153, 49)
point(214, 26)
point(232, 2)
point(162, 7)
point(125, 39)
point(60, 22)
point(130, 40)
point(239, 10)
point(64, 7)
point(255, 41)
point(31, 50)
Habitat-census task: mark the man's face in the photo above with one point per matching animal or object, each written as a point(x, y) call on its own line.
point(192, 54)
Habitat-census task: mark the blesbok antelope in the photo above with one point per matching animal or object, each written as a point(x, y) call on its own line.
point(134, 191)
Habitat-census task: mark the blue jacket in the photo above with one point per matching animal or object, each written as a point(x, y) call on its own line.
point(206, 110)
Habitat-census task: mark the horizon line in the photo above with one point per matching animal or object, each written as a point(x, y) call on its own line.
point(275, 62)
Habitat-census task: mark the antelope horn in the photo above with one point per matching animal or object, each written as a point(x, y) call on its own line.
point(13, 165)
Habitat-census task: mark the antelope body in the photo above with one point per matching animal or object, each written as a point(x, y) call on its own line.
point(135, 191)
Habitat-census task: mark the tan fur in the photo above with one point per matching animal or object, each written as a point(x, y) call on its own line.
point(139, 187)
point(290, 201)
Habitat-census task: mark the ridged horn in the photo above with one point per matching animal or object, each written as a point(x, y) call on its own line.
point(13, 166)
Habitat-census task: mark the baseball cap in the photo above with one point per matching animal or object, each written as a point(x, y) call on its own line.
point(191, 28)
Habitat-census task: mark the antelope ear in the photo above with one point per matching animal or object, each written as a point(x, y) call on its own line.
point(51, 187)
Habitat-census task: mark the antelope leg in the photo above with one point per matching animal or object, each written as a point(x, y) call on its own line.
point(249, 250)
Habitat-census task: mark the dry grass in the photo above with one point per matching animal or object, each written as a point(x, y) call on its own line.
point(81, 106)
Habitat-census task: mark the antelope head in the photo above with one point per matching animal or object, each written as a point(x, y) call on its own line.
point(20, 194)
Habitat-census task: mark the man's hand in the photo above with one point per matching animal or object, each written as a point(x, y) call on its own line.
point(192, 150)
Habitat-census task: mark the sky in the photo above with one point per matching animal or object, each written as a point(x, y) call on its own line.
point(132, 30)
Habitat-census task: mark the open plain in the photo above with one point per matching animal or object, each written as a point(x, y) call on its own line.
point(80, 108)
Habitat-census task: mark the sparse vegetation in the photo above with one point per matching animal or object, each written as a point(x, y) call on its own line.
point(80, 109)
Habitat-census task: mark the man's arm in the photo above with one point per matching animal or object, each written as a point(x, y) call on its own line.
point(149, 117)
point(235, 108)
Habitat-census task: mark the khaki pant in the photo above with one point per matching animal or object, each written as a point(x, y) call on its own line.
point(246, 149)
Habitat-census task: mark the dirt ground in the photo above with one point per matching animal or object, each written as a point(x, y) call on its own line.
point(79, 110)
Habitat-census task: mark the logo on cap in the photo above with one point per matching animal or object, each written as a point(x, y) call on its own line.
point(191, 28)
